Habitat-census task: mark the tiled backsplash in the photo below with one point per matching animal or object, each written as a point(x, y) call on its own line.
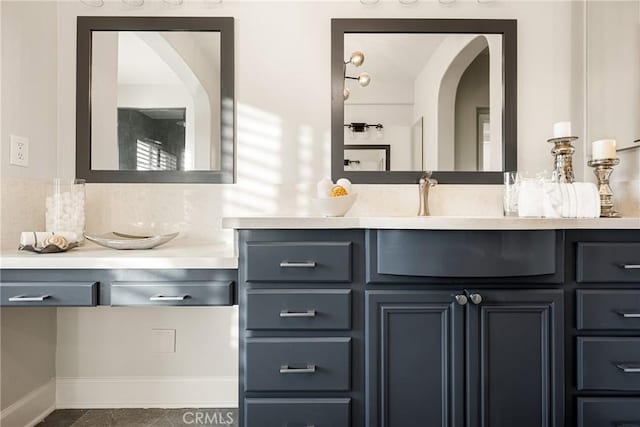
point(196, 210)
point(22, 208)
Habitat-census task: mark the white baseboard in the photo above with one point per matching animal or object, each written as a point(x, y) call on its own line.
point(32, 408)
point(147, 392)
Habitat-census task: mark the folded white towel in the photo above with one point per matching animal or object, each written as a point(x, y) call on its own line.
point(586, 202)
point(531, 199)
point(36, 238)
point(573, 201)
point(552, 200)
point(564, 190)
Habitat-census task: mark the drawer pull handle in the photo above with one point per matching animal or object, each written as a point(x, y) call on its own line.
point(629, 315)
point(25, 298)
point(168, 298)
point(631, 266)
point(286, 369)
point(307, 264)
point(629, 368)
point(627, 424)
point(308, 313)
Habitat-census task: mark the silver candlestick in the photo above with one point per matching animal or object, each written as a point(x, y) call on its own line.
point(563, 153)
point(603, 168)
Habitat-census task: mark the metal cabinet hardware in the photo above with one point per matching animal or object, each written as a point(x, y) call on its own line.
point(475, 298)
point(308, 313)
point(306, 264)
point(629, 314)
point(25, 298)
point(168, 298)
point(286, 369)
point(627, 424)
point(461, 299)
point(629, 368)
point(631, 266)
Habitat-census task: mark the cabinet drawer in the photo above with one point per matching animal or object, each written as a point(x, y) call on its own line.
point(298, 262)
point(49, 294)
point(608, 309)
point(473, 254)
point(609, 363)
point(298, 309)
point(297, 412)
point(297, 364)
point(608, 412)
point(169, 294)
point(608, 262)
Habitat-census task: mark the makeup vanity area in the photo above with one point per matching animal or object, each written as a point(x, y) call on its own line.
point(380, 320)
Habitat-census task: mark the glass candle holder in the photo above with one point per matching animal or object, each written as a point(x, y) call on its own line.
point(65, 207)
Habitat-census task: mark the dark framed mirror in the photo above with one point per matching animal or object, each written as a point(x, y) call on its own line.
point(441, 93)
point(155, 99)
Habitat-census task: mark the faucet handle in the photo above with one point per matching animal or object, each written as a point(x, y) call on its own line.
point(426, 179)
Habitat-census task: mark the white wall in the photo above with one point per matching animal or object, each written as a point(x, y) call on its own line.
point(28, 108)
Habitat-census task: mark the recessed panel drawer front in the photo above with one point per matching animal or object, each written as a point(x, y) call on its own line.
point(608, 412)
point(298, 364)
point(49, 294)
point(297, 412)
point(474, 254)
point(298, 309)
point(171, 294)
point(608, 309)
point(608, 262)
point(606, 363)
point(298, 262)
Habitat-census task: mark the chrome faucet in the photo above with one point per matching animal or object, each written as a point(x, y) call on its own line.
point(424, 185)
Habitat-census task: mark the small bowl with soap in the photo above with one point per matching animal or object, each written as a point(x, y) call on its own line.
point(334, 199)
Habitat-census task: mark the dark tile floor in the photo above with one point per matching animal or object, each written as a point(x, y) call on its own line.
point(141, 418)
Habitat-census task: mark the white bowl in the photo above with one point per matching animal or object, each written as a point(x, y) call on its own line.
point(335, 206)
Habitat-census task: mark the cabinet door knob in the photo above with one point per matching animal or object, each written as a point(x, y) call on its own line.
point(461, 299)
point(475, 298)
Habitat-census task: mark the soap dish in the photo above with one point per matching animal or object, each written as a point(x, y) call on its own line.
point(123, 241)
point(49, 249)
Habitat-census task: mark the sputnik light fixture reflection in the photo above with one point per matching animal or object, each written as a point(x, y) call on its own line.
point(356, 59)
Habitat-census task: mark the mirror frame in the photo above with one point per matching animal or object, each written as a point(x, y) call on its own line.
point(86, 25)
point(508, 28)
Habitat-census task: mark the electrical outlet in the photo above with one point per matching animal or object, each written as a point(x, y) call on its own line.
point(19, 151)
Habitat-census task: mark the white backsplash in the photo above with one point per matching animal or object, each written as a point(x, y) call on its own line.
point(196, 210)
point(22, 208)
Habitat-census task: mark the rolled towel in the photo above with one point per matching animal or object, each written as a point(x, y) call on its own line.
point(37, 238)
point(564, 189)
point(573, 201)
point(552, 200)
point(531, 199)
point(588, 200)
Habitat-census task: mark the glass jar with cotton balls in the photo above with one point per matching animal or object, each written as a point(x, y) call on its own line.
point(65, 207)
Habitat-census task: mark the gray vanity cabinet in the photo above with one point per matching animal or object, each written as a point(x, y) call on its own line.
point(515, 362)
point(414, 359)
point(426, 349)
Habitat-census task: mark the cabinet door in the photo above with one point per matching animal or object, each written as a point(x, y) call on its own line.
point(515, 358)
point(414, 359)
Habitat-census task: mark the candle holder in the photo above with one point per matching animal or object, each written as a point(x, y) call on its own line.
point(603, 168)
point(563, 152)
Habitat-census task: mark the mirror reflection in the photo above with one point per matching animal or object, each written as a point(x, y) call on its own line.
point(435, 100)
point(155, 100)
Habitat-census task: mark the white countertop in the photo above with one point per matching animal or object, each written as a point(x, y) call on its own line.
point(177, 254)
point(430, 223)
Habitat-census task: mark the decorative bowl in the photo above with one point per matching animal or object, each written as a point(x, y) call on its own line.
point(335, 206)
point(122, 241)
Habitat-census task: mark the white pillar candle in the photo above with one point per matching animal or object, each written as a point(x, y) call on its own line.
point(562, 129)
point(604, 149)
